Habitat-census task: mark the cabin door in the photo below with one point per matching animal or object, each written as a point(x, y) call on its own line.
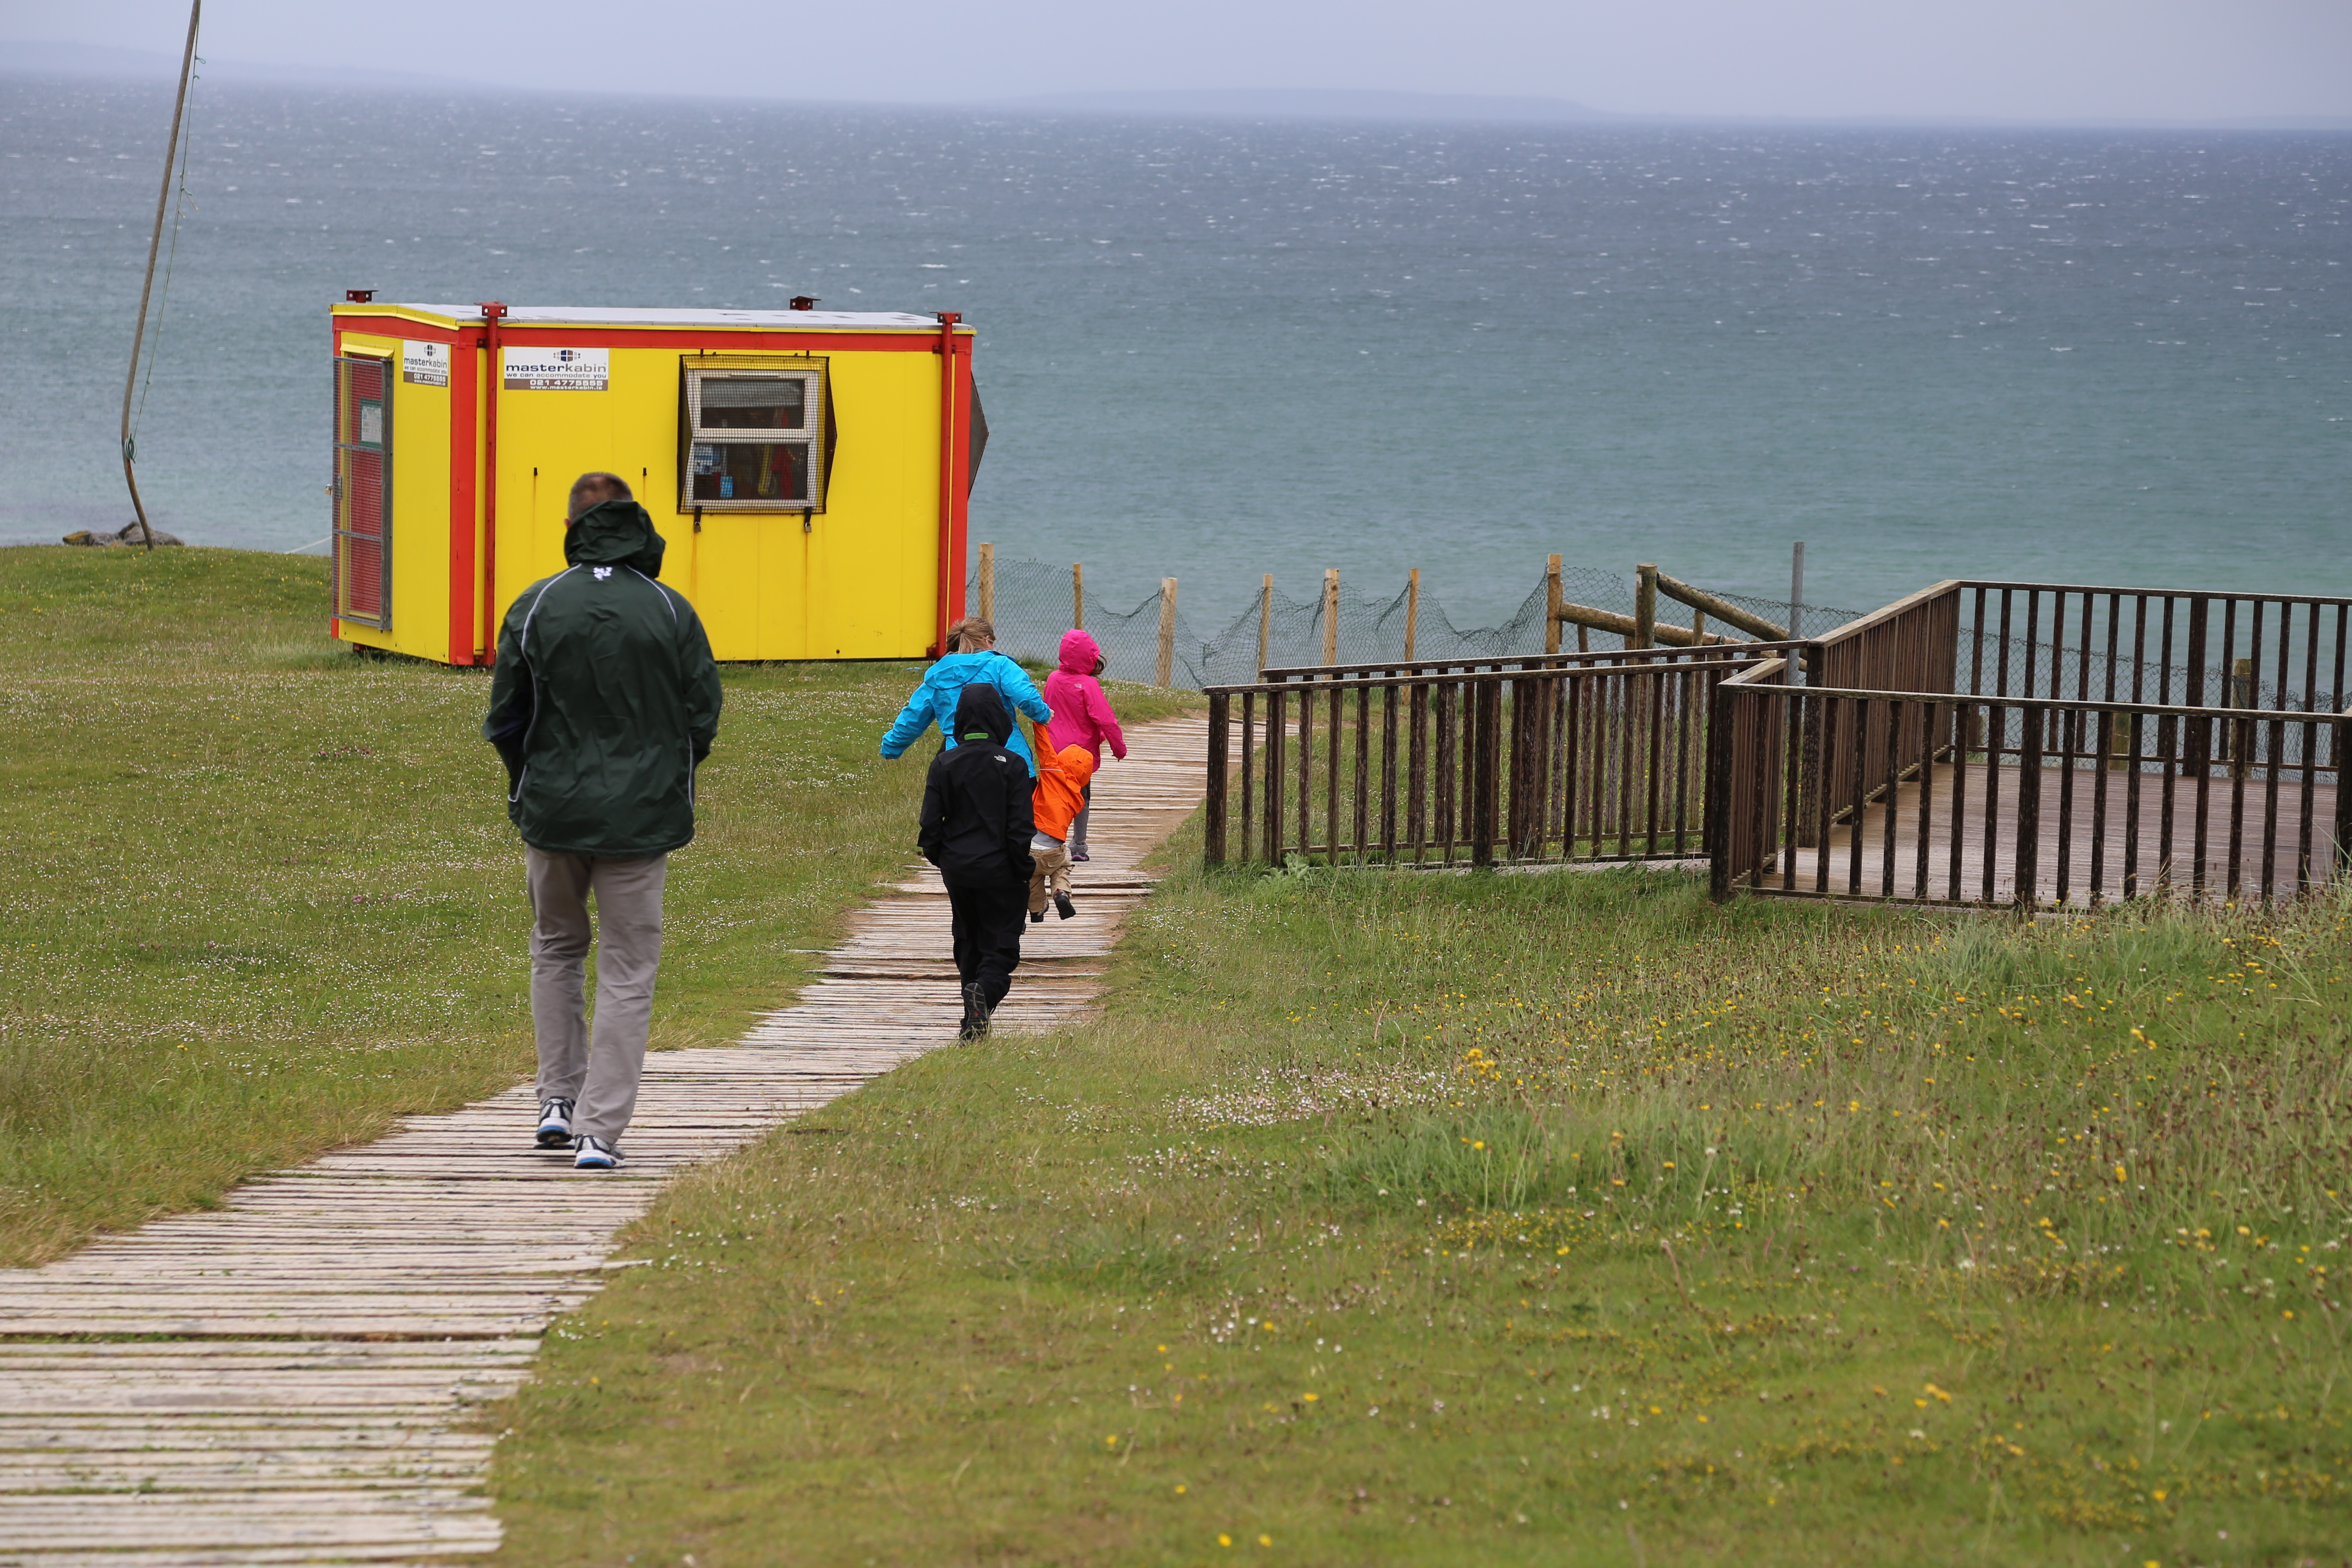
point(362, 491)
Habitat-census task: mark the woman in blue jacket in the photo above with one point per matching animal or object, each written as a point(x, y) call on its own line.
point(976, 658)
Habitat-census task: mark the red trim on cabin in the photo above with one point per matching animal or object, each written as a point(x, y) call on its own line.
point(465, 590)
point(759, 339)
point(493, 356)
point(960, 468)
point(945, 347)
point(750, 340)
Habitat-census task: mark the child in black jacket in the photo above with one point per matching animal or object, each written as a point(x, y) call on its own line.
point(976, 830)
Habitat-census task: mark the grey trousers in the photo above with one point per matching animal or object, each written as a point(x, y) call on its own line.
point(600, 1074)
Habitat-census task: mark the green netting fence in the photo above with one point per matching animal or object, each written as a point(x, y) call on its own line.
point(1035, 603)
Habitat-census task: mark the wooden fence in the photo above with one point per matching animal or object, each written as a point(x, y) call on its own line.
point(1999, 743)
point(1599, 756)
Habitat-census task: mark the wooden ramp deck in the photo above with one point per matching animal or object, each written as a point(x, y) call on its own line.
point(2079, 846)
point(284, 1380)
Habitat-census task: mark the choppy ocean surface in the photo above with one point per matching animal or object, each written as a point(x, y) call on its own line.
point(1214, 349)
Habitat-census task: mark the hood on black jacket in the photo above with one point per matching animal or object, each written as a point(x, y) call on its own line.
point(614, 533)
point(980, 715)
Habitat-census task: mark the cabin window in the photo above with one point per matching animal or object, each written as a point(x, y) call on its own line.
point(754, 438)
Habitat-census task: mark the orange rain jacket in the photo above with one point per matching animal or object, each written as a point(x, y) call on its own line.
point(1061, 782)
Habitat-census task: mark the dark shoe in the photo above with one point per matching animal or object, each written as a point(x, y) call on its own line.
point(555, 1124)
point(1036, 917)
point(1079, 855)
point(975, 1013)
point(1063, 907)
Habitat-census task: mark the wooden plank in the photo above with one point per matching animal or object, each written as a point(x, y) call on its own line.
point(2131, 842)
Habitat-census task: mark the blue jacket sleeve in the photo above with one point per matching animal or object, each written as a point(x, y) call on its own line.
point(912, 721)
point(1021, 691)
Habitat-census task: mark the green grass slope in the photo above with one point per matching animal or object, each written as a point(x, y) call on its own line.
point(1541, 1219)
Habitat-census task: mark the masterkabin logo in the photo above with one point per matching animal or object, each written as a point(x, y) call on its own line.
point(567, 355)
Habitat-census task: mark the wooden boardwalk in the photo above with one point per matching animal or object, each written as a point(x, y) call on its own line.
point(287, 1378)
point(2095, 839)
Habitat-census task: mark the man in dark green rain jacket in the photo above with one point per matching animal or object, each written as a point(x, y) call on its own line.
point(603, 703)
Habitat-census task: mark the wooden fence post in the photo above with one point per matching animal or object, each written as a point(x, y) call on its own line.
point(1265, 620)
point(1411, 611)
point(1645, 606)
point(1220, 716)
point(2237, 737)
point(2029, 811)
point(1077, 597)
point(1551, 603)
point(1331, 614)
point(1166, 670)
point(2340, 745)
point(1485, 781)
point(1715, 814)
point(988, 584)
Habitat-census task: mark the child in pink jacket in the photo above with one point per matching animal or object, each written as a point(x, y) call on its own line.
point(1082, 717)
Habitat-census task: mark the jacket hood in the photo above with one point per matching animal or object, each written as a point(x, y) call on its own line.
point(980, 715)
point(1078, 763)
point(614, 533)
point(1080, 652)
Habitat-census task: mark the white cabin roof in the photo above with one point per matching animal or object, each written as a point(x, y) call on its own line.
point(607, 316)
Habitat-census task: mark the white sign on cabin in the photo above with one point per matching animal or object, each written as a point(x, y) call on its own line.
point(425, 364)
point(557, 370)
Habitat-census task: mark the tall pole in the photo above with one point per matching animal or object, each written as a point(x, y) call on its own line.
point(155, 245)
point(1551, 603)
point(1166, 672)
point(1797, 591)
point(1331, 614)
point(1265, 620)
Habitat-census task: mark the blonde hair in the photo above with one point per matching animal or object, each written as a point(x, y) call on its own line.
point(971, 629)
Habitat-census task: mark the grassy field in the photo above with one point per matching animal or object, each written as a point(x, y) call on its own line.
point(1517, 1219)
point(264, 899)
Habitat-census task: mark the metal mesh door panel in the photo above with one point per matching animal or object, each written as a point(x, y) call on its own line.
point(362, 491)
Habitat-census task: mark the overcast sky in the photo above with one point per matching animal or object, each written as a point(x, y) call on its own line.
point(2029, 59)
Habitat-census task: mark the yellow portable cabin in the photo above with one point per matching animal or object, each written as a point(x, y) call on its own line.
point(808, 469)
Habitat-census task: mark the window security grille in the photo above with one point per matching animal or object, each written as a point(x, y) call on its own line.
point(363, 491)
point(755, 436)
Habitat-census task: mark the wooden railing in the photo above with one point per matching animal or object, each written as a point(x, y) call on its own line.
point(1975, 742)
point(1910, 645)
point(1747, 771)
point(1597, 756)
point(2273, 652)
point(1996, 744)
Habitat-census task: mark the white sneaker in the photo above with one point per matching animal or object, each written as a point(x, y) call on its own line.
point(596, 1154)
point(554, 1123)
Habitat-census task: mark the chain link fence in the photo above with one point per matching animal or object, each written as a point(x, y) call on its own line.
point(1033, 604)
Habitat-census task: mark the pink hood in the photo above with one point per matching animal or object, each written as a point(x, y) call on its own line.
point(1082, 714)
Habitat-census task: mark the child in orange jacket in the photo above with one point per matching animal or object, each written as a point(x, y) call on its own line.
point(1062, 779)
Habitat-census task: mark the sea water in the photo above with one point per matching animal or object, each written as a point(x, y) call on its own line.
point(1220, 348)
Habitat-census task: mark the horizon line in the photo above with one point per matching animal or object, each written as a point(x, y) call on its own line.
point(77, 61)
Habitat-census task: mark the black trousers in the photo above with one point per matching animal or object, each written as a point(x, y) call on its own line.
point(988, 921)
